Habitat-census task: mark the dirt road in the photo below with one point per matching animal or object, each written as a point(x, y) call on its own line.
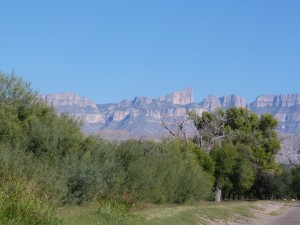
point(290, 217)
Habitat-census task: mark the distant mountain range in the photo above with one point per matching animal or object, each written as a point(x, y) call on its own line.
point(139, 118)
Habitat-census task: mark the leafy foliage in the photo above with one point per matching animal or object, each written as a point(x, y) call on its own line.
point(243, 175)
point(253, 145)
point(160, 173)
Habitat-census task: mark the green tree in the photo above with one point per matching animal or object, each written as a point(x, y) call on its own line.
point(243, 175)
point(224, 157)
point(282, 184)
point(258, 133)
point(296, 181)
point(255, 142)
point(15, 91)
point(203, 157)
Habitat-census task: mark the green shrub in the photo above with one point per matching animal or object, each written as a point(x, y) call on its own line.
point(161, 173)
point(19, 204)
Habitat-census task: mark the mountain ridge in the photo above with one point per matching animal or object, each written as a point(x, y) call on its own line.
point(285, 108)
point(139, 118)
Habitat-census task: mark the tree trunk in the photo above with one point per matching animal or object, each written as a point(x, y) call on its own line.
point(218, 194)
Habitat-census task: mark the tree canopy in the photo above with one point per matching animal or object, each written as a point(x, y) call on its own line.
point(241, 144)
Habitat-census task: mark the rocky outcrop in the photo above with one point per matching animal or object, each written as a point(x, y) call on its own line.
point(91, 118)
point(211, 102)
point(276, 101)
point(120, 115)
point(233, 100)
point(68, 99)
point(139, 101)
point(183, 97)
point(79, 107)
point(285, 108)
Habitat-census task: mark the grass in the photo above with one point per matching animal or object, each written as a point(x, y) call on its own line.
point(116, 213)
point(80, 215)
point(20, 206)
point(99, 215)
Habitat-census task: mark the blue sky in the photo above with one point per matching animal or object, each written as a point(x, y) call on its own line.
point(114, 50)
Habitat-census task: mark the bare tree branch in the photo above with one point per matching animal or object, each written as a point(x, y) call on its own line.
point(210, 128)
point(165, 125)
point(180, 131)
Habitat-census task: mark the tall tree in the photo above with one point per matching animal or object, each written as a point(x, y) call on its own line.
point(256, 142)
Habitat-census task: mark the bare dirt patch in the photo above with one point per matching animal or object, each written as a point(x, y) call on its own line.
point(263, 212)
point(266, 211)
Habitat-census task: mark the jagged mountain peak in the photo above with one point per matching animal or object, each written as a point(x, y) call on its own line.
point(233, 100)
point(183, 97)
point(68, 99)
point(211, 102)
point(268, 100)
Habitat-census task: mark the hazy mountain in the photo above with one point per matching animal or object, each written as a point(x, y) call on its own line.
point(139, 118)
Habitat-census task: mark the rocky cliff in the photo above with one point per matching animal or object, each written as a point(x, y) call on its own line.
point(71, 103)
point(183, 97)
point(285, 108)
point(278, 101)
point(140, 117)
point(211, 102)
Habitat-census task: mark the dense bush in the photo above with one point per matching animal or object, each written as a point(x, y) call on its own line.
point(166, 172)
point(139, 171)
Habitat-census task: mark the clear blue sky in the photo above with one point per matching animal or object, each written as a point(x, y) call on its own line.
point(110, 50)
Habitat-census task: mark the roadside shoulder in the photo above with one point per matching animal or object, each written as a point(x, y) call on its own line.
point(268, 210)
